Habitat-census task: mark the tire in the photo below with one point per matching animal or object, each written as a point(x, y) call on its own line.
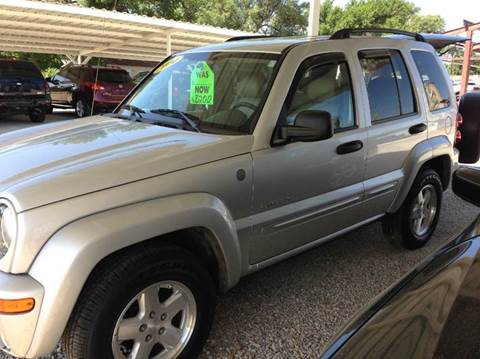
point(401, 228)
point(106, 302)
point(469, 145)
point(37, 116)
point(82, 109)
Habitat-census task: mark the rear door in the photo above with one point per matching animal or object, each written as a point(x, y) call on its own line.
point(397, 124)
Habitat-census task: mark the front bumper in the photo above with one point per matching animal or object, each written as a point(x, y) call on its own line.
point(17, 330)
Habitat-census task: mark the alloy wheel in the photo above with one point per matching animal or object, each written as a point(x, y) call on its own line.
point(157, 323)
point(423, 210)
point(80, 108)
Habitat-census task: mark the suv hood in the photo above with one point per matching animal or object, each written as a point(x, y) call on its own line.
point(50, 163)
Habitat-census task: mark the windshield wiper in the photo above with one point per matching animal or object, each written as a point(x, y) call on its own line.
point(134, 110)
point(185, 117)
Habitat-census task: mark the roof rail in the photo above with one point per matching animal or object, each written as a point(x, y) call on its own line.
point(346, 33)
point(247, 37)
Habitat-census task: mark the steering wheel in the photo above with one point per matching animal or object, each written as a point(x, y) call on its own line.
point(244, 104)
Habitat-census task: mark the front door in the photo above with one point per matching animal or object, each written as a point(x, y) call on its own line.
point(61, 88)
point(304, 191)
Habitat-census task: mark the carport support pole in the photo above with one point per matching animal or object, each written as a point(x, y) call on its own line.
point(314, 18)
point(467, 57)
point(169, 44)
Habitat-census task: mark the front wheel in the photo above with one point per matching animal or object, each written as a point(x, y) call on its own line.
point(157, 302)
point(37, 115)
point(413, 225)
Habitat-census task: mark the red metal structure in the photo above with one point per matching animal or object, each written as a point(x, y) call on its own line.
point(468, 29)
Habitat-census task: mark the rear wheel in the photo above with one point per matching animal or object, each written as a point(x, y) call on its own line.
point(413, 225)
point(156, 302)
point(82, 109)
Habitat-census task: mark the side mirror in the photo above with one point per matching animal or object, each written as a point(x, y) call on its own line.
point(309, 126)
point(466, 184)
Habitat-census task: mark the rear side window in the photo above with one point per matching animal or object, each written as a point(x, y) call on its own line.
point(19, 68)
point(434, 82)
point(113, 76)
point(388, 83)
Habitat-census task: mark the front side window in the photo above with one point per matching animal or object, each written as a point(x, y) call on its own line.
point(220, 92)
point(434, 82)
point(388, 83)
point(324, 87)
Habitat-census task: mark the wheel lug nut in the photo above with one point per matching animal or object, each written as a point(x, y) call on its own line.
point(163, 316)
point(148, 338)
point(161, 331)
point(143, 327)
point(152, 315)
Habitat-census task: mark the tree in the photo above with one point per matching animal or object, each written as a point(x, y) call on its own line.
point(278, 17)
point(426, 23)
point(397, 14)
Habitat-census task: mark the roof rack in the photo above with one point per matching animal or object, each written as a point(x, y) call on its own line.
point(247, 37)
point(346, 33)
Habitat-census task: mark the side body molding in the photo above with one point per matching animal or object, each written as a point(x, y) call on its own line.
point(420, 154)
point(65, 262)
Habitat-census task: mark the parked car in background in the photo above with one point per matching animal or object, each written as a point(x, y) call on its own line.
point(23, 90)
point(140, 76)
point(120, 230)
point(90, 90)
point(472, 86)
point(434, 311)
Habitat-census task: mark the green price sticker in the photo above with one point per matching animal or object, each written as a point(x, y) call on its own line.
point(202, 82)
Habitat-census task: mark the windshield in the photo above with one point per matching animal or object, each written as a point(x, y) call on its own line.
point(220, 91)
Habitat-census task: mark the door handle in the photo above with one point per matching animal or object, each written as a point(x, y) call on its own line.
point(417, 128)
point(349, 147)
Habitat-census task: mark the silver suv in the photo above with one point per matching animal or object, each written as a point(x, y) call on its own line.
point(117, 232)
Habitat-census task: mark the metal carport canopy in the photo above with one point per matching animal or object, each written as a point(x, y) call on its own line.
point(80, 33)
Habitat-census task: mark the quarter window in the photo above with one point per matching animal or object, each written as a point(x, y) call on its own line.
point(434, 82)
point(388, 83)
point(324, 87)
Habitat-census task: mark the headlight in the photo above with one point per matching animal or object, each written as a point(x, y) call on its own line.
point(8, 228)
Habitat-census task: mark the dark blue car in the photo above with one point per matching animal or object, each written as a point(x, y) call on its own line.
point(23, 90)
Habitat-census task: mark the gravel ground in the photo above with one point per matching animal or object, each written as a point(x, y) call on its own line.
point(292, 309)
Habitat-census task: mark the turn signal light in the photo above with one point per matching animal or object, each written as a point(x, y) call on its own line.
point(16, 306)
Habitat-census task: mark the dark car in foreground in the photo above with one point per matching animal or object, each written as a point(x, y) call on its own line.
point(23, 90)
point(434, 311)
point(90, 89)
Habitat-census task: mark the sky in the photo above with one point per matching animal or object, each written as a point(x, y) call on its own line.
point(452, 11)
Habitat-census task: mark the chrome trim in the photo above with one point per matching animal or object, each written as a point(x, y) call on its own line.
point(380, 189)
point(263, 264)
point(328, 208)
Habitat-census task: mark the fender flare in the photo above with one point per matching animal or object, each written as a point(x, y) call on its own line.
point(67, 259)
point(420, 154)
